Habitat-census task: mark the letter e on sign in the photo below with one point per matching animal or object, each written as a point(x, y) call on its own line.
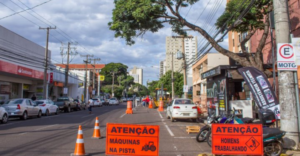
point(285, 57)
point(132, 139)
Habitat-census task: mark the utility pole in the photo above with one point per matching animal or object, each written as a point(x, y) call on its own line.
point(172, 76)
point(45, 83)
point(112, 87)
point(67, 67)
point(94, 72)
point(287, 98)
point(87, 61)
point(184, 61)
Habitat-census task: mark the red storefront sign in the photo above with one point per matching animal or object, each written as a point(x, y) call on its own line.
point(20, 70)
point(24, 71)
point(51, 78)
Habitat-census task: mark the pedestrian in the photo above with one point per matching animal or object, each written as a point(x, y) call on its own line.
point(90, 106)
point(33, 98)
point(146, 101)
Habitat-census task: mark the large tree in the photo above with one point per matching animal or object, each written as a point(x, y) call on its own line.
point(133, 18)
point(118, 68)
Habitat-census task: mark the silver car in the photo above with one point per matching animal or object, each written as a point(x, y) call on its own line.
point(22, 108)
point(3, 115)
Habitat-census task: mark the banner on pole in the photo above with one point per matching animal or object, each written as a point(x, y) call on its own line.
point(261, 89)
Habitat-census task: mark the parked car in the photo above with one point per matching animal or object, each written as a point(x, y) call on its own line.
point(3, 115)
point(80, 104)
point(97, 102)
point(123, 99)
point(22, 108)
point(182, 109)
point(103, 102)
point(66, 104)
point(47, 107)
point(113, 101)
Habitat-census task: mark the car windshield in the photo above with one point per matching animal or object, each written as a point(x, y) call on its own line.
point(39, 102)
point(183, 101)
point(113, 99)
point(76, 100)
point(95, 99)
point(15, 101)
point(63, 99)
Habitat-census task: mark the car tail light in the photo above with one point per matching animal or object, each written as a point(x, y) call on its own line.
point(195, 107)
point(18, 106)
point(43, 104)
point(273, 120)
point(176, 107)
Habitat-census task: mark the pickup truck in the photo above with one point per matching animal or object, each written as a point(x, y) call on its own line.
point(66, 104)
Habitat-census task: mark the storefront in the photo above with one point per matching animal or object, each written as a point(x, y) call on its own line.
point(226, 89)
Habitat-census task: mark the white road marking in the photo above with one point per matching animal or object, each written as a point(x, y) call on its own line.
point(169, 130)
point(22, 133)
point(87, 116)
point(160, 115)
point(46, 127)
point(122, 115)
point(184, 137)
point(175, 147)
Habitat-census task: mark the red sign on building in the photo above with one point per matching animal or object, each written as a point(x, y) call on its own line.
point(51, 78)
point(24, 71)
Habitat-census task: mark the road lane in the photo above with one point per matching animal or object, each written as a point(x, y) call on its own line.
point(56, 135)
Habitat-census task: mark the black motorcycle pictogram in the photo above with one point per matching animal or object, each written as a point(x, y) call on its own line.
point(150, 146)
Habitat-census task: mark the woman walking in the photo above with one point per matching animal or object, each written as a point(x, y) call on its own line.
point(90, 104)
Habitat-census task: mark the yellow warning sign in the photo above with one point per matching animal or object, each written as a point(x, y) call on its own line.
point(102, 77)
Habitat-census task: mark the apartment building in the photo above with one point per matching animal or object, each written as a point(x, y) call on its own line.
point(137, 74)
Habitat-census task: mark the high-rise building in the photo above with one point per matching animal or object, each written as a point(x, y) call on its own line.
point(173, 45)
point(162, 68)
point(137, 74)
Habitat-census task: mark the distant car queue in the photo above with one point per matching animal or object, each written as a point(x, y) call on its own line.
point(25, 107)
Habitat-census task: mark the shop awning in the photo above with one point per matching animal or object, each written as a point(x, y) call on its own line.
point(234, 74)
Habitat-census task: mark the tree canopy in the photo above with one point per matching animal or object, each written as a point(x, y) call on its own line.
point(132, 18)
point(119, 69)
point(167, 83)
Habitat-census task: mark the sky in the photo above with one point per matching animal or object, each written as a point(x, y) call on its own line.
point(85, 24)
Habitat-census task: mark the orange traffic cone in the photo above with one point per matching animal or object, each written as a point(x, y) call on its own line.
point(79, 146)
point(161, 106)
point(150, 104)
point(97, 134)
point(129, 107)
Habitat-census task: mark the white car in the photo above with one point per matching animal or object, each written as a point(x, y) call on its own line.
point(3, 115)
point(48, 107)
point(182, 109)
point(97, 102)
point(113, 101)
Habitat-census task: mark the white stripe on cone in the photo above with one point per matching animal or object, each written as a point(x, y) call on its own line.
point(97, 121)
point(97, 127)
point(79, 141)
point(80, 132)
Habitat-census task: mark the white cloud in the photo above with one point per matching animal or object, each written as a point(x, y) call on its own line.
point(86, 22)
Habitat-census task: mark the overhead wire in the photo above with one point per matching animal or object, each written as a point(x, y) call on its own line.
point(224, 34)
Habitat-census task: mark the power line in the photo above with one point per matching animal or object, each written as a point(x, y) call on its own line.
point(22, 10)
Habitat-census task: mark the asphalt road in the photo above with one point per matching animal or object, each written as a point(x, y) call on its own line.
point(56, 135)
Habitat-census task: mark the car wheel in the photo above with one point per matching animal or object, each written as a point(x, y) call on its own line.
point(68, 109)
point(39, 114)
point(172, 119)
point(4, 119)
point(47, 113)
point(24, 116)
point(56, 111)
